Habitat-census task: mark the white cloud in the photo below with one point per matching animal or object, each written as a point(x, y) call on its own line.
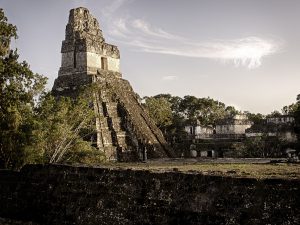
point(145, 28)
point(169, 78)
point(119, 29)
point(113, 7)
point(248, 51)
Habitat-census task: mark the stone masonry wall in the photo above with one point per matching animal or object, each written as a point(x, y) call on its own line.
point(84, 45)
point(59, 194)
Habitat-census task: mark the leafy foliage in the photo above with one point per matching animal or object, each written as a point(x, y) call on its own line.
point(160, 110)
point(19, 87)
point(263, 146)
point(257, 119)
point(206, 110)
point(64, 129)
point(7, 32)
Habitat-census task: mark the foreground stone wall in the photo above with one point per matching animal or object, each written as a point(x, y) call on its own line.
point(58, 194)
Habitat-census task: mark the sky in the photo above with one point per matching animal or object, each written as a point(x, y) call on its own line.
point(244, 53)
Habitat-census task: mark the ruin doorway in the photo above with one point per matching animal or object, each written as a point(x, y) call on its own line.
point(209, 154)
point(104, 63)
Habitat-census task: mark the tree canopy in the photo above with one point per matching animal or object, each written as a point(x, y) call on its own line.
point(7, 32)
point(206, 110)
point(19, 88)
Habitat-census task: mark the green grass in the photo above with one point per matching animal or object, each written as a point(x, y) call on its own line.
point(257, 171)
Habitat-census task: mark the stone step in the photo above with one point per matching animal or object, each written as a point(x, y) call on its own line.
point(105, 137)
point(110, 109)
point(113, 114)
point(111, 105)
point(104, 122)
point(121, 134)
point(102, 125)
point(115, 123)
point(110, 152)
point(121, 138)
point(104, 99)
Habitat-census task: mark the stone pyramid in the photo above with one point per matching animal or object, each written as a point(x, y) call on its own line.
point(125, 131)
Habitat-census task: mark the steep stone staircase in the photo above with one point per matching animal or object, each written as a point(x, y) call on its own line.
point(129, 123)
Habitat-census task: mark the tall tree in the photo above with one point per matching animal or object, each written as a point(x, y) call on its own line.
point(7, 32)
point(19, 87)
point(160, 110)
point(175, 124)
point(206, 110)
point(64, 130)
point(257, 118)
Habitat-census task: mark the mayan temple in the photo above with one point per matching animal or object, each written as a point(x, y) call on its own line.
point(124, 129)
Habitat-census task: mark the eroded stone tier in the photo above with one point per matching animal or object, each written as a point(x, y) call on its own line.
point(124, 128)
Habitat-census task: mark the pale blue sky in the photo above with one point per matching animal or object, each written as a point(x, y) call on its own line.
point(243, 53)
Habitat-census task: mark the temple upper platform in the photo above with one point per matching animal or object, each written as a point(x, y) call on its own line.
point(84, 49)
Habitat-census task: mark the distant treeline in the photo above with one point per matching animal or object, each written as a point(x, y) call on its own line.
point(172, 113)
point(166, 110)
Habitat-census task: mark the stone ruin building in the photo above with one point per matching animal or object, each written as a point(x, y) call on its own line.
point(234, 126)
point(124, 130)
point(228, 128)
point(281, 126)
point(220, 140)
